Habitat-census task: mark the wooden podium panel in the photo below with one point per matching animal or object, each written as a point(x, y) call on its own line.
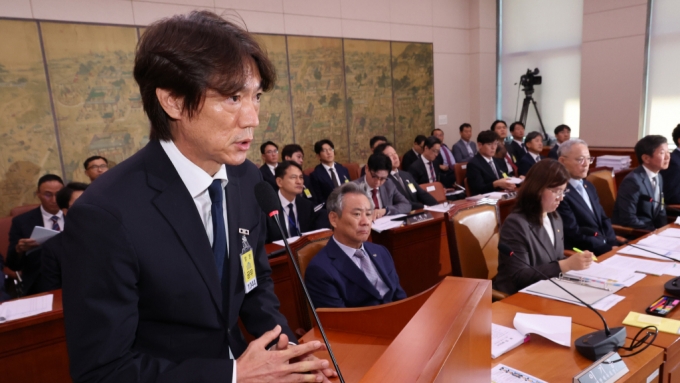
point(441, 335)
point(552, 362)
point(33, 349)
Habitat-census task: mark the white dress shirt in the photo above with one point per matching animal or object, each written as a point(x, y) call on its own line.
point(286, 211)
point(547, 225)
point(272, 167)
point(328, 171)
point(431, 177)
point(47, 219)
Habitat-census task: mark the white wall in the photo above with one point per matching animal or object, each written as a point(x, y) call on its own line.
point(462, 32)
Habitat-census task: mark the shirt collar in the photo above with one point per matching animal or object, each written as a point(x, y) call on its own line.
point(650, 174)
point(49, 215)
point(328, 168)
point(487, 159)
point(518, 141)
point(425, 160)
point(394, 172)
point(348, 250)
point(575, 183)
point(195, 179)
point(284, 201)
point(272, 167)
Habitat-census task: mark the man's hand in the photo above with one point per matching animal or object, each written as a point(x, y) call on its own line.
point(259, 365)
point(26, 244)
point(283, 344)
point(504, 184)
point(444, 168)
point(379, 213)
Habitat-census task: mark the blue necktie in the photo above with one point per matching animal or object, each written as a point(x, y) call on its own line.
point(292, 226)
point(582, 192)
point(55, 223)
point(219, 232)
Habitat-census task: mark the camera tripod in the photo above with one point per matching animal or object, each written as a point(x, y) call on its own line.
point(529, 99)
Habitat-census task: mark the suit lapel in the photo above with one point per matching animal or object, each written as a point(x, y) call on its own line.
point(305, 211)
point(233, 197)
point(543, 238)
point(646, 182)
point(589, 192)
point(350, 270)
point(575, 197)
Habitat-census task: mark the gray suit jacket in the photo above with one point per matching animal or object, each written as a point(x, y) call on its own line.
point(460, 152)
point(393, 201)
point(531, 243)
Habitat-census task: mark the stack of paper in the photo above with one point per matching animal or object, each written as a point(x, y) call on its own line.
point(386, 223)
point(598, 298)
point(553, 327)
point(22, 308)
point(661, 242)
point(615, 162)
point(441, 208)
point(599, 271)
point(671, 232)
point(504, 339)
point(492, 195)
point(643, 265)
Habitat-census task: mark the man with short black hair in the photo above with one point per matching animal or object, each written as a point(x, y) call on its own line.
point(562, 134)
point(404, 181)
point(464, 149)
point(23, 253)
point(294, 153)
point(640, 199)
point(516, 147)
point(485, 173)
point(270, 157)
point(376, 140)
point(426, 168)
point(386, 198)
point(95, 166)
point(296, 213)
point(671, 175)
point(328, 174)
point(534, 145)
point(414, 153)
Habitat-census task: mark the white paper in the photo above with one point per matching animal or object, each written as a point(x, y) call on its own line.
point(504, 374)
point(294, 239)
point(22, 308)
point(514, 180)
point(41, 234)
point(677, 221)
point(671, 232)
point(441, 208)
point(430, 188)
point(602, 272)
point(640, 252)
point(660, 242)
point(639, 265)
point(504, 339)
point(386, 223)
point(553, 327)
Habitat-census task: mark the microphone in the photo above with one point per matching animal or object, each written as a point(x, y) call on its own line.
point(596, 344)
point(268, 201)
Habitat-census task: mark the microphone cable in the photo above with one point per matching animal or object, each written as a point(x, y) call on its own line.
point(635, 343)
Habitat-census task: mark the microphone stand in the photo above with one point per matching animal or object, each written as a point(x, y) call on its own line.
point(275, 214)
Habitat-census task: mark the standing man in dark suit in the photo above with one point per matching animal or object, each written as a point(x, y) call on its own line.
point(534, 145)
point(328, 174)
point(517, 148)
point(464, 149)
point(586, 226)
point(166, 252)
point(671, 175)
point(414, 153)
point(270, 157)
point(562, 134)
point(485, 173)
point(298, 214)
point(348, 271)
point(404, 181)
point(294, 153)
point(383, 192)
point(426, 168)
point(24, 254)
point(640, 200)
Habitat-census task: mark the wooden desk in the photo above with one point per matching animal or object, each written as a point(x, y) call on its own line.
point(34, 349)
point(551, 362)
point(638, 297)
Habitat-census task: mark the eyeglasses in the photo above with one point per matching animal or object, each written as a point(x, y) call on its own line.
point(327, 150)
point(268, 152)
point(380, 179)
point(295, 177)
point(558, 193)
point(98, 167)
point(582, 160)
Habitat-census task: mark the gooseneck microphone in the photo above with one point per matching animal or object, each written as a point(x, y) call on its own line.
point(269, 203)
point(596, 344)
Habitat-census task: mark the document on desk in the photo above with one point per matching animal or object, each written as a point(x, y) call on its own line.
point(514, 180)
point(504, 374)
point(554, 327)
point(642, 265)
point(602, 272)
point(292, 240)
point(42, 234)
point(440, 208)
point(586, 293)
point(661, 242)
point(646, 251)
point(386, 223)
point(677, 221)
point(22, 308)
point(671, 232)
point(504, 339)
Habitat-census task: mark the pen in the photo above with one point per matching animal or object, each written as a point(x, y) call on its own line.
point(580, 251)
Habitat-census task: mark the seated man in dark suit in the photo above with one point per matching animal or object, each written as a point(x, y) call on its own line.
point(383, 192)
point(372, 143)
point(348, 271)
point(516, 148)
point(24, 254)
point(53, 249)
point(446, 160)
point(534, 145)
point(464, 149)
point(270, 157)
point(562, 134)
point(485, 173)
point(426, 168)
point(414, 153)
point(404, 181)
point(294, 153)
point(671, 175)
point(328, 174)
point(640, 200)
point(586, 226)
point(298, 215)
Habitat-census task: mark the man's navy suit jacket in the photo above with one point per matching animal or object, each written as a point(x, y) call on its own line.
point(322, 182)
point(333, 280)
point(526, 163)
point(634, 206)
point(553, 152)
point(578, 220)
point(419, 172)
point(29, 262)
point(480, 176)
point(408, 159)
point(306, 216)
point(268, 176)
point(419, 198)
point(671, 179)
point(143, 301)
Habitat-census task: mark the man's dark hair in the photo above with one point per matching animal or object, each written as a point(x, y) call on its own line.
point(434, 130)
point(419, 139)
point(381, 148)
point(90, 159)
point(190, 54)
point(676, 135)
point(375, 139)
point(463, 126)
point(487, 137)
point(648, 145)
point(63, 196)
point(318, 146)
point(49, 177)
point(432, 141)
point(291, 149)
point(493, 125)
point(560, 128)
point(512, 126)
point(282, 168)
point(379, 162)
point(531, 136)
point(264, 146)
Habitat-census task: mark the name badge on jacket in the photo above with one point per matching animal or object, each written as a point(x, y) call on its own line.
point(248, 265)
point(411, 187)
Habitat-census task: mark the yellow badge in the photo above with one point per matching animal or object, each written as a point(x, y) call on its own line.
point(308, 194)
point(412, 187)
point(505, 175)
point(514, 159)
point(346, 180)
point(248, 266)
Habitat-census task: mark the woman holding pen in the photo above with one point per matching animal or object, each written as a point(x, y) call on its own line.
point(533, 232)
